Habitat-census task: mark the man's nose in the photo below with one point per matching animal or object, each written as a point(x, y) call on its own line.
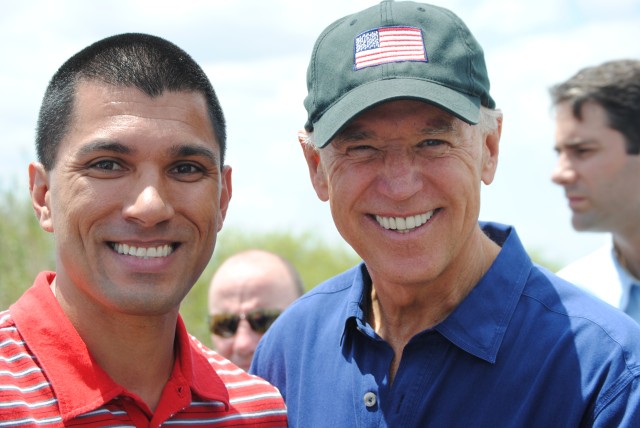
point(149, 204)
point(246, 340)
point(563, 173)
point(401, 176)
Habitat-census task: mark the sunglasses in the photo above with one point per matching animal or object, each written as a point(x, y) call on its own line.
point(226, 325)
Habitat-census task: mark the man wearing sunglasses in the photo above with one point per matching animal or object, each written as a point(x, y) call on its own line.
point(247, 293)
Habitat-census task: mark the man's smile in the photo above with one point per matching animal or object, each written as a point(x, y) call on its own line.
point(404, 224)
point(143, 252)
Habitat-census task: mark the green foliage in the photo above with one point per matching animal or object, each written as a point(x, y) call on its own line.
point(25, 249)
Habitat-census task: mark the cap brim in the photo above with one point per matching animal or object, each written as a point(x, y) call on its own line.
point(368, 95)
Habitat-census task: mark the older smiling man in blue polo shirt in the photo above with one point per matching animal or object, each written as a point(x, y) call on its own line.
point(447, 323)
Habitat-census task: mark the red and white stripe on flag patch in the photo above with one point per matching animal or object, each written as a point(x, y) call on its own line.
point(389, 44)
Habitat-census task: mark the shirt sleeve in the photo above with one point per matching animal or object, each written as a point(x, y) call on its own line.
point(620, 407)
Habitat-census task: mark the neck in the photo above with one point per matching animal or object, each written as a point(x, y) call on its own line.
point(628, 256)
point(398, 311)
point(139, 358)
point(137, 352)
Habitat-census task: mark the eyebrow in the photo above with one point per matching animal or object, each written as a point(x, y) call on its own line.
point(349, 134)
point(571, 144)
point(188, 150)
point(107, 146)
point(576, 142)
point(440, 125)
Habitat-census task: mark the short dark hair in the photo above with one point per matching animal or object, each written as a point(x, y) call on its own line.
point(148, 63)
point(614, 85)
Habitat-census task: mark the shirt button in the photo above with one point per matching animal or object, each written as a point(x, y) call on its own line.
point(370, 399)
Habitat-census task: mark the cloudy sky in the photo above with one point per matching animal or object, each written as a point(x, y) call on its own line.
point(256, 54)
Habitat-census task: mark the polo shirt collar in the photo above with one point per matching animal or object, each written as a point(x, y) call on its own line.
point(480, 321)
point(626, 280)
point(354, 314)
point(79, 383)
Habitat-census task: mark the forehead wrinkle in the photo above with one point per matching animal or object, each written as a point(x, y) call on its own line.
point(439, 126)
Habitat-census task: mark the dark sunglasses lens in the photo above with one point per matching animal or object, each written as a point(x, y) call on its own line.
point(260, 321)
point(224, 325)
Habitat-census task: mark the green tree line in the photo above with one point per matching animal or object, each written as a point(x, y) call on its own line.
point(25, 250)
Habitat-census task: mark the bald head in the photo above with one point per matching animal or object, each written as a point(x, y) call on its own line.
point(246, 281)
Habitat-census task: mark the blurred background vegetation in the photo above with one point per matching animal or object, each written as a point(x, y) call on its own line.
point(26, 250)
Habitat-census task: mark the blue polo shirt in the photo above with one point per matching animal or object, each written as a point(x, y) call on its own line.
point(524, 349)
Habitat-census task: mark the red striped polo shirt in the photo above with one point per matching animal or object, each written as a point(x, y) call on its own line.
point(49, 379)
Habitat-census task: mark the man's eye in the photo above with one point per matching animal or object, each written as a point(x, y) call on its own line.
point(580, 152)
point(360, 147)
point(107, 165)
point(434, 148)
point(432, 143)
point(360, 150)
point(187, 168)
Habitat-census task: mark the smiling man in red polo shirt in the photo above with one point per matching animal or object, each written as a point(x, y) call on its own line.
point(131, 181)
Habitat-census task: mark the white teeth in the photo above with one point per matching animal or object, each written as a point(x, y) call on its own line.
point(146, 253)
point(403, 224)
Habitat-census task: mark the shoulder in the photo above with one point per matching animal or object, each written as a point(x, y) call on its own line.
point(6, 321)
point(24, 388)
point(310, 325)
point(248, 395)
point(328, 299)
point(560, 296)
point(230, 374)
point(10, 338)
point(11, 341)
point(581, 337)
point(583, 317)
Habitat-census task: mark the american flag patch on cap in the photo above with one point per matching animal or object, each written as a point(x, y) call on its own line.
point(389, 44)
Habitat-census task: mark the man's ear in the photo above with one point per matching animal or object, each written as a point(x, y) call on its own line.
point(316, 170)
point(39, 188)
point(490, 149)
point(225, 195)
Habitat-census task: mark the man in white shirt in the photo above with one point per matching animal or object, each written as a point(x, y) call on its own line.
point(598, 146)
